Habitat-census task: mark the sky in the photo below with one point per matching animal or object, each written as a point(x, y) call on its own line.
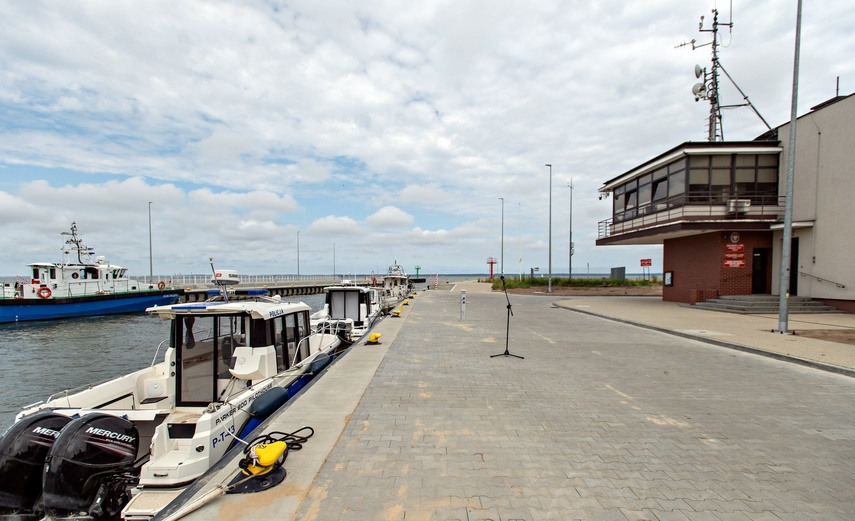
point(335, 136)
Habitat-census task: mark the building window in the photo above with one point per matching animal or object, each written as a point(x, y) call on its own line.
point(700, 179)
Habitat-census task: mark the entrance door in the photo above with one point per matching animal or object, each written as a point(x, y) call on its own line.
point(794, 267)
point(759, 271)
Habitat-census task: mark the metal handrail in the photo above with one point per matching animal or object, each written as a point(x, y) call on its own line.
point(702, 205)
point(820, 279)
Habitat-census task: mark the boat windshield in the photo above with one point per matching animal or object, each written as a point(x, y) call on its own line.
point(205, 347)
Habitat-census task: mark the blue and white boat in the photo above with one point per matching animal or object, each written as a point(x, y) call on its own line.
point(79, 286)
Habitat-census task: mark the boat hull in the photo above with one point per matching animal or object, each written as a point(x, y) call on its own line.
point(21, 310)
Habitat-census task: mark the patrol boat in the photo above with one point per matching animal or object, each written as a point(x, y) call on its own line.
point(77, 286)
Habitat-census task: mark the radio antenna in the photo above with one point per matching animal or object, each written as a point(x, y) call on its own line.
point(708, 87)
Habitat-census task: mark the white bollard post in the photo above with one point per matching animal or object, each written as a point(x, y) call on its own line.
point(462, 305)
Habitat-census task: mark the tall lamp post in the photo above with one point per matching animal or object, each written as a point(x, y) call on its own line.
point(519, 224)
point(549, 283)
point(150, 263)
point(502, 257)
point(570, 254)
point(786, 247)
point(298, 254)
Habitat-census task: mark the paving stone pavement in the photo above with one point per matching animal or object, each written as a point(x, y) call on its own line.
point(600, 421)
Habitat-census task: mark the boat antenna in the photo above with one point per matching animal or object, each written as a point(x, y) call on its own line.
point(220, 285)
point(708, 87)
point(76, 243)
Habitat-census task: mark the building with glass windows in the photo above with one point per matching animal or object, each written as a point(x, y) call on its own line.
point(717, 209)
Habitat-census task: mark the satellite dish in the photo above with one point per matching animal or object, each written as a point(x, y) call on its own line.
point(698, 71)
point(698, 89)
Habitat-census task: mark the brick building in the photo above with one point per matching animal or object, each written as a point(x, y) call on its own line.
point(717, 210)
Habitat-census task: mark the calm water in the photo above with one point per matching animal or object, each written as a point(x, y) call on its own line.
point(44, 357)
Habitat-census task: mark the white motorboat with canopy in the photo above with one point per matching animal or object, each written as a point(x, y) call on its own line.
point(228, 365)
point(349, 310)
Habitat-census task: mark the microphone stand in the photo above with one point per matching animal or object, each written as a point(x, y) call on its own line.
point(508, 328)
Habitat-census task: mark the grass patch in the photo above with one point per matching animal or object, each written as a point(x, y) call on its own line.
point(557, 282)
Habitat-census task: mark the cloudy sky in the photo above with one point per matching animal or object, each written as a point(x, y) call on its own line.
point(379, 130)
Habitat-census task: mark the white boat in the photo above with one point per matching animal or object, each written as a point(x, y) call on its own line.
point(228, 365)
point(396, 286)
point(349, 310)
point(79, 285)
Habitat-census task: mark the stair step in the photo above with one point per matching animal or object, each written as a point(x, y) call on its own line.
point(763, 304)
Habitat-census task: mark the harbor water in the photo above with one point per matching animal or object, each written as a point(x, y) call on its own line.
point(45, 357)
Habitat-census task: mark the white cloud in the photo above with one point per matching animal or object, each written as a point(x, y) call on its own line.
point(390, 217)
point(334, 226)
point(268, 119)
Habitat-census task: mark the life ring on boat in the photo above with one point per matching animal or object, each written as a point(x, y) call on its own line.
point(161, 285)
point(44, 292)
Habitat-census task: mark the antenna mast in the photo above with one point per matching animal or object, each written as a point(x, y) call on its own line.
point(708, 88)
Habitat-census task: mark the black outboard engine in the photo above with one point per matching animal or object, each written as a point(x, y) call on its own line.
point(23, 451)
point(90, 467)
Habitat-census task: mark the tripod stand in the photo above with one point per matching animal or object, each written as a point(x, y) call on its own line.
point(508, 328)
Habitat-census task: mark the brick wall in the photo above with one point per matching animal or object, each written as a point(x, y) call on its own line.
point(698, 265)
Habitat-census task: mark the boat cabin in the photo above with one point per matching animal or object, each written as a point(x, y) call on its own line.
point(350, 302)
point(216, 342)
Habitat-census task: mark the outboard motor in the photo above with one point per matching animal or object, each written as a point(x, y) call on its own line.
point(90, 467)
point(23, 451)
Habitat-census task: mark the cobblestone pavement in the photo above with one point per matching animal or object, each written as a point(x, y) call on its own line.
point(600, 421)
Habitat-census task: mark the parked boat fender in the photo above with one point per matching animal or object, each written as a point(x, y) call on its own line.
point(321, 361)
point(262, 407)
point(44, 292)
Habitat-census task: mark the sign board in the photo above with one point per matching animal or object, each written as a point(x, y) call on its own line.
point(734, 248)
point(734, 264)
point(646, 262)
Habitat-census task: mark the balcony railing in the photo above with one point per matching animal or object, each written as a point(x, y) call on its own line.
point(694, 206)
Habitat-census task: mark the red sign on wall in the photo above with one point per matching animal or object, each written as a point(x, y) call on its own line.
point(734, 264)
point(646, 262)
point(734, 248)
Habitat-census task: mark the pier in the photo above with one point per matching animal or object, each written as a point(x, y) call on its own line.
point(198, 292)
point(622, 409)
point(289, 290)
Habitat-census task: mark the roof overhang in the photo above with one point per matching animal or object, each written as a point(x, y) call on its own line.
point(796, 224)
point(660, 234)
point(693, 148)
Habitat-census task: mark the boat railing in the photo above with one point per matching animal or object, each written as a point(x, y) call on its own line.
point(74, 390)
point(157, 351)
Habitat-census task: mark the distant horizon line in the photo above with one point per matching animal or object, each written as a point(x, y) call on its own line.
point(12, 278)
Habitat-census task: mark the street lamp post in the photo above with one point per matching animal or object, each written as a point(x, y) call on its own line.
point(519, 224)
point(549, 283)
point(502, 257)
point(570, 253)
point(298, 254)
point(150, 262)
